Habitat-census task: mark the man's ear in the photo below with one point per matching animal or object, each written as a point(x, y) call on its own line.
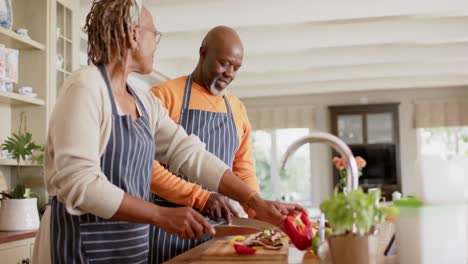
point(202, 52)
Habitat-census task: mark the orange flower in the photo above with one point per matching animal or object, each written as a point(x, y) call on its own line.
point(339, 163)
point(361, 163)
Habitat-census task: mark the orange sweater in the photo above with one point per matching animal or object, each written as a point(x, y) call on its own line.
point(178, 191)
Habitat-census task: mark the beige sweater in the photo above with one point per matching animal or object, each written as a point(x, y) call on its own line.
point(79, 130)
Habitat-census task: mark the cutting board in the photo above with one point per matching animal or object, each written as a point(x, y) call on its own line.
point(222, 250)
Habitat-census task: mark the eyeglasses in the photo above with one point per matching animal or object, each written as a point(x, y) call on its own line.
point(157, 34)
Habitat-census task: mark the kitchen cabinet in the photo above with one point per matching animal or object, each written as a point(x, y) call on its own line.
point(372, 132)
point(65, 39)
point(16, 247)
point(54, 35)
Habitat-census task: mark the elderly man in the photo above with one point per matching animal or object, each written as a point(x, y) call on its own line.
point(102, 139)
point(201, 104)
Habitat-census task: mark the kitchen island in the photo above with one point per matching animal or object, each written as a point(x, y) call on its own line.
point(294, 255)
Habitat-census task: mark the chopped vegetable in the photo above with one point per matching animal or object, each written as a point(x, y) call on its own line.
point(236, 239)
point(244, 250)
point(315, 244)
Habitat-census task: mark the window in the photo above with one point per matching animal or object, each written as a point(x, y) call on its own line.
point(445, 141)
point(261, 145)
point(292, 184)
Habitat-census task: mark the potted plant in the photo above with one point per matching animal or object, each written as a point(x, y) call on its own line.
point(18, 208)
point(353, 218)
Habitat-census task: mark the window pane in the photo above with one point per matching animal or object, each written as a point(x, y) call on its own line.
point(296, 178)
point(261, 144)
point(446, 141)
point(350, 129)
point(379, 128)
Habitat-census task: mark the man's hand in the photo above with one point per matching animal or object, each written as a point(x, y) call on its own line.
point(183, 222)
point(218, 206)
point(288, 208)
point(271, 211)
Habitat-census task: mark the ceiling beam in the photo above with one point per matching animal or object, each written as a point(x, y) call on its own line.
point(426, 68)
point(284, 38)
point(326, 57)
point(350, 85)
point(200, 15)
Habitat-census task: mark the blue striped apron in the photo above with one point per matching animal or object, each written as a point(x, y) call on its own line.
point(218, 131)
point(127, 162)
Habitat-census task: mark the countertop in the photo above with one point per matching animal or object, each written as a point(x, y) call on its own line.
point(294, 255)
point(6, 237)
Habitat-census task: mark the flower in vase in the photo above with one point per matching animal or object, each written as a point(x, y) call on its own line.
point(341, 165)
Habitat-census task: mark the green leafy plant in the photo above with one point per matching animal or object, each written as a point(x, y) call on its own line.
point(355, 212)
point(39, 157)
point(19, 192)
point(19, 146)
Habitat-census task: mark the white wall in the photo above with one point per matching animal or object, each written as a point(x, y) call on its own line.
point(321, 154)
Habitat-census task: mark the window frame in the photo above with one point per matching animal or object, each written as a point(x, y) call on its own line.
point(275, 179)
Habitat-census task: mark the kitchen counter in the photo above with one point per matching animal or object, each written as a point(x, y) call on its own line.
point(294, 255)
point(6, 237)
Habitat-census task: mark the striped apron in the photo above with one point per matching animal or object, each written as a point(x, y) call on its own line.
point(218, 131)
point(127, 162)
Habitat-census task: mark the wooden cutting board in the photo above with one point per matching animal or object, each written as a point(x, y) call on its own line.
point(221, 250)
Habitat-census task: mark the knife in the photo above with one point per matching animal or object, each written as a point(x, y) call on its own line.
point(223, 230)
point(241, 226)
point(240, 221)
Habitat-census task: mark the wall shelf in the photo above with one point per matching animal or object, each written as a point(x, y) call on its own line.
point(14, 40)
point(19, 99)
point(63, 71)
point(65, 38)
point(12, 162)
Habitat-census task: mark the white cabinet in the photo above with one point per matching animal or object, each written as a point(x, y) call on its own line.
point(372, 132)
point(65, 41)
point(17, 252)
point(32, 72)
point(54, 36)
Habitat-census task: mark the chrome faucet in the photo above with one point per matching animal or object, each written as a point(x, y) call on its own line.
point(352, 177)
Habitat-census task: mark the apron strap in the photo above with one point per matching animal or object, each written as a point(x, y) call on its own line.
point(228, 106)
point(187, 94)
point(138, 101)
point(104, 74)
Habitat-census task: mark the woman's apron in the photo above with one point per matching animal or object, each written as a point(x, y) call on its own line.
point(218, 132)
point(127, 163)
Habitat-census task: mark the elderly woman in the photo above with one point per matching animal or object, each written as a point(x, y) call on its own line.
point(103, 136)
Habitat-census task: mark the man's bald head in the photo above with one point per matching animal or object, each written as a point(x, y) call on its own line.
point(222, 36)
point(221, 55)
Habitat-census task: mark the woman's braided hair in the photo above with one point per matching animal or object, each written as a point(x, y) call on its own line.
point(108, 25)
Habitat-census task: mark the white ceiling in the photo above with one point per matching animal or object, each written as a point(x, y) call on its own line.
point(316, 46)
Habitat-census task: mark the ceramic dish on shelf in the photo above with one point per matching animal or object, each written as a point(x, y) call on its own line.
point(33, 95)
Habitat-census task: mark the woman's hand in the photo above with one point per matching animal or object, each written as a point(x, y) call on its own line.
point(183, 222)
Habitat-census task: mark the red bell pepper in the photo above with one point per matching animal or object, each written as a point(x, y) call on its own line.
point(299, 230)
point(244, 250)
